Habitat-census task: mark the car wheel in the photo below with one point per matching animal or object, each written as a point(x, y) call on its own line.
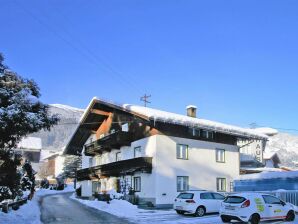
point(254, 219)
point(180, 212)
point(200, 211)
point(290, 216)
point(225, 219)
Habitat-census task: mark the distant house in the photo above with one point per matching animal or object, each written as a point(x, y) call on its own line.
point(52, 165)
point(271, 160)
point(155, 153)
point(253, 155)
point(30, 148)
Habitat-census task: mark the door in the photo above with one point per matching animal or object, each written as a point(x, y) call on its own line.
point(275, 207)
point(208, 201)
point(218, 198)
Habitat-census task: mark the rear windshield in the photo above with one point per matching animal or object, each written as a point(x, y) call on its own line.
point(185, 196)
point(234, 199)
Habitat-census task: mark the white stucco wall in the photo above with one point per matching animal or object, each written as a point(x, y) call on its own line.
point(86, 188)
point(59, 164)
point(201, 167)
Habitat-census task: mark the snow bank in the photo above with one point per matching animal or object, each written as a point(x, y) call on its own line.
point(26, 214)
point(270, 175)
point(30, 212)
point(120, 208)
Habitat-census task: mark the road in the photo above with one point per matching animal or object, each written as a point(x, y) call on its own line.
point(61, 209)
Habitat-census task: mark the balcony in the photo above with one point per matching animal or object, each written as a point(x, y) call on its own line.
point(109, 142)
point(116, 169)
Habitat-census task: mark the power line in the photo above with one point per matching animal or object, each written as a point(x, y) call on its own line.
point(86, 52)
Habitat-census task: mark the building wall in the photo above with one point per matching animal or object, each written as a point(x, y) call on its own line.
point(201, 167)
point(86, 188)
point(251, 150)
point(160, 187)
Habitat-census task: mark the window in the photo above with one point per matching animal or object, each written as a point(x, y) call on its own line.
point(234, 199)
point(194, 132)
point(271, 200)
point(185, 196)
point(207, 134)
point(218, 196)
point(221, 184)
point(137, 184)
point(182, 151)
point(124, 127)
point(220, 155)
point(206, 196)
point(90, 162)
point(137, 151)
point(182, 183)
point(118, 156)
point(98, 160)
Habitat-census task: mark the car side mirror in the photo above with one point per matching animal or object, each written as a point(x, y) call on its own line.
point(282, 203)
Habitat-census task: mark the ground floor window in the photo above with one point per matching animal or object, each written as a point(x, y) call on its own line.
point(96, 187)
point(137, 184)
point(221, 184)
point(182, 183)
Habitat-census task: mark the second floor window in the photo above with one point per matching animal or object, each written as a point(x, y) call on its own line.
point(220, 155)
point(118, 156)
point(182, 151)
point(90, 162)
point(137, 151)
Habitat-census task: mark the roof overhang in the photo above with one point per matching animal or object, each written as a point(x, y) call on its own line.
point(96, 112)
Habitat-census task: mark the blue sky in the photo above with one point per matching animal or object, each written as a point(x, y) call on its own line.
point(235, 60)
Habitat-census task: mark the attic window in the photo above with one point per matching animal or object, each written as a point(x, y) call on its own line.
point(207, 134)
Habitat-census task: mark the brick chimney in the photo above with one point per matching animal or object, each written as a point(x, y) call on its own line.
point(191, 111)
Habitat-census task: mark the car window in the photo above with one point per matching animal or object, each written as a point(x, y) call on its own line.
point(271, 200)
point(206, 196)
point(218, 196)
point(185, 196)
point(234, 199)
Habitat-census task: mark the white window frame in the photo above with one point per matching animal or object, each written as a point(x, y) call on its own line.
point(221, 184)
point(137, 151)
point(137, 184)
point(220, 155)
point(182, 183)
point(118, 156)
point(179, 151)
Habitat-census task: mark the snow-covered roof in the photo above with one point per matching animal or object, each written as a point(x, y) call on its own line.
point(191, 106)
point(159, 115)
point(65, 107)
point(270, 175)
point(269, 155)
point(267, 131)
point(30, 143)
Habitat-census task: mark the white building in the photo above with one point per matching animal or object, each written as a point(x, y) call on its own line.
point(156, 153)
point(30, 148)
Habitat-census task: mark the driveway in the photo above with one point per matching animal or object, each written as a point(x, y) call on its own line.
point(61, 209)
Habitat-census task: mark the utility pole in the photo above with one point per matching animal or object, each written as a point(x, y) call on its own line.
point(145, 99)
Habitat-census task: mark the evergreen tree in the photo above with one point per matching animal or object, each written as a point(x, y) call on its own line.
point(21, 113)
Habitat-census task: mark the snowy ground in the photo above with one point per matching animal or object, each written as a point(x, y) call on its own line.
point(124, 209)
point(30, 212)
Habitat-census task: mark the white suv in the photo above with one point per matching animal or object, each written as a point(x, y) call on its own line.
point(198, 202)
point(253, 207)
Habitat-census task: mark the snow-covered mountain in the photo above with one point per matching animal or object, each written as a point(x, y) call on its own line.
point(60, 134)
point(286, 146)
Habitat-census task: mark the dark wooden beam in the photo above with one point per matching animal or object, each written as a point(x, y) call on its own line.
point(100, 112)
